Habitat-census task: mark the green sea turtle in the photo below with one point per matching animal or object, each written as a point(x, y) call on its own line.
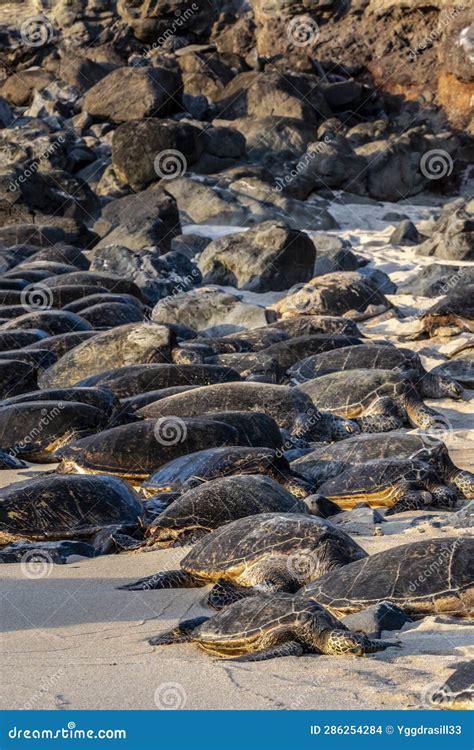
point(286, 353)
point(134, 403)
point(111, 314)
point(329, 461)
point(52, 322)
point(378, 400)
point(134, 379)
point(134, 451)
point(308, 325)
point(100, 298)
point(457, 692)
point(39, 359)
point(63, 342)
point(255, 429)
point(292, 410)
point(267, 551)
point(395, 484)
point(458, 368)
point(377, 357)
point(213, 504)
point(16, 339)
point(454, 311)
point(192, 469)
point(108, 281)
point(265, 627)
point(65, 507)
point(35, 429)
point(425, 577)
point(100, 398)
point(126, 345)
point(16, 377)
point(251, 366)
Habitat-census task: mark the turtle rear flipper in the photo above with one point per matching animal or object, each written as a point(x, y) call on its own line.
point(180, 634)
point(167, 579)
point(224, 593)
point(290, 648)
point(410, 500)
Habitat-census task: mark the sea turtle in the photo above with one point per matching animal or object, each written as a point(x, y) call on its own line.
point(255, 429)
point(286, 353)
point(16, 377)
point(34, 553)
point(52, 322)
point(291, 409)
point(111, 314)
point(65, 507)
point(39, 359)
point(458, 368)
point(345, 293)
point(108, 281)
point(63, 342)
point(423, 578)
point(455, 310)
point(35, 429)
point(267, 551)
point(16, 339)
point(377, 357)
point(134, 403)
point(119, 347)
point(134, 379)
point(457, 692)
point(329, 461)
point(251, 366)
point(378, 400)
point(201, 509)
point(134, 451)
point(192, 469)
point(265, 627)
point(100, 398)
point(309, 325)
point(100, 298)
point(398, 485)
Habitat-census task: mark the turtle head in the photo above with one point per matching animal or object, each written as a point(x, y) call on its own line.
point(440, 386)
point(342, 642)
point(340, 428)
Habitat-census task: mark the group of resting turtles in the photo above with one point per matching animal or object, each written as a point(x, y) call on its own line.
point(249, 446)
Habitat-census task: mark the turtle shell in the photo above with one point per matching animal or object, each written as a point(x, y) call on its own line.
point(136, 450)
point(134, 379)
point(286, 405)
point(63, 342)
point(52, 322)
point(35, 429)
point(220, 501)
point(100, 398)
point(374, 478)
point(329, 460)
point(65, 507)
point(231, 548)
point(286, 353)
point(204, 465)
point(425, 577)
point(308, 325)
point(241, 627)
point(349, 393)
point(125, 345)
point(363, 356)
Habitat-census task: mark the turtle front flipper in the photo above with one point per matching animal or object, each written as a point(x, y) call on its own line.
point(224, 593)
point(182, 633)
point(410, 500)
point(167, 579)
point(339, 642)
point(419, 414)
point(290, 648)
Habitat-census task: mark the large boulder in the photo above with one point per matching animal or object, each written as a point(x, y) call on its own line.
point(271, 140)
point(200, 204)
point(156, 21)
point(137, 221)
point(290, 26)
point(211, 311)
point(269, 257)
point(256, 94)
point(134, 93)
point(453, 238)
point(147, 150)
